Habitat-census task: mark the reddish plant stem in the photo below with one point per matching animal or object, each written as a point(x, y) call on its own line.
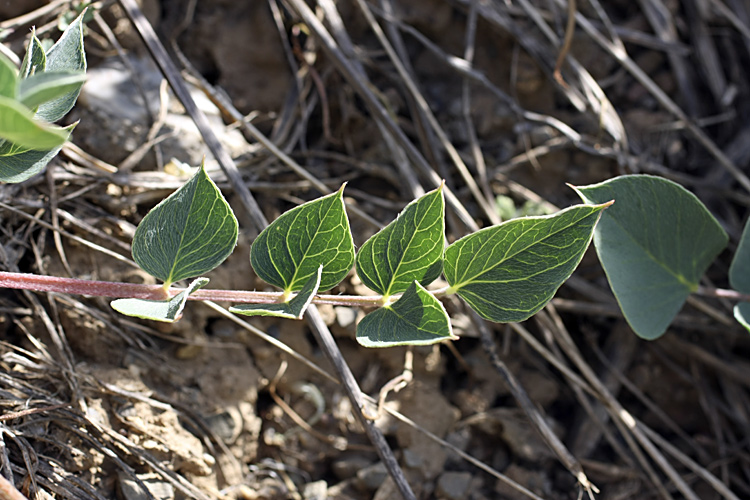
point(113, 289)
point(722, 293)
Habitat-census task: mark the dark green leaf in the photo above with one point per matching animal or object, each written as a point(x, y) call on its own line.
point(510, 271)
point(18, 125)
point(18, 164)
point(43, 87)
point(35, 60)
point(742, 314)
point(290, 250)
point(655, 243)
point(187, 234)
point(294, 308)
point(409, 248)
point(739, 270)
point(167, 311)
point(66, 55)
point(416, 318)
point(8, 78)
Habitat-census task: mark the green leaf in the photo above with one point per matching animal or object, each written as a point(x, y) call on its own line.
point(187, 234)
point(167, 311)
point(293, 308)
point(416, 318)
point(35, 60)
point(739, 270)
point(508, 272)
point(18, 164)
point(66, 55)
point(655, 243)
point(18, 125)
point(290, 250)
point(8, 78)
point(742, 314)
point(409, 248)
point(42, 87)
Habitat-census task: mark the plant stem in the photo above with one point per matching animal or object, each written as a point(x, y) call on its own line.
point(722, 293)
point(113, 289)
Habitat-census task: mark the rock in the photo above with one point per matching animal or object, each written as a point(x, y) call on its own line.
point(453, 485)
point(536, 481)
point(317, 490)
point(129, 489)
point(370, 478)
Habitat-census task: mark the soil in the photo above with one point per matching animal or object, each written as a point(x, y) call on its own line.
point(206, 408)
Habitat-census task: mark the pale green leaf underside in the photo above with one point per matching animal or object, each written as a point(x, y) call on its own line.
point(167, 311)
point(739, 270)
point(67, 55)
point(292, 309)
point(8, 78)
point(18, 125)
point(409, 248)
point(290, 250)
point(742, 314)
point(508, 272)
point(654, 243)
point(187, 234)
point(416, 318)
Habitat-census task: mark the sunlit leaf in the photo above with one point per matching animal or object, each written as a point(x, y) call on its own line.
point(294, 308)
point(18, 125)
point(510, 271)
point(167, 311)
point(290, 250)
point(409, 248)
point(187, 234)
point(43, 87)
point(416, 318)
point(68, 55)
point(655, 243)
point(35, 60)
point(8, 78)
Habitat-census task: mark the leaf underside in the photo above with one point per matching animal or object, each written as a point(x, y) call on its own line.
point(655, 243)
point(166, 311)
point(508, 272)
point(289, 251)
point(409, 248)
point(292, 309)
point(187, 234)
point(416, 318)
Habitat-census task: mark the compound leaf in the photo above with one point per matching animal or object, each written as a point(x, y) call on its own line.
point(409, 248)
point(42, 87)
point(655, 243)
point(290, 250)
point(416, 318)
point(508, 272)
point(187, 234)
point(293, 308)
point(8, 78)
point(65, 55)
point(739, 270)
point(35, 60)
point(167, 311)
point(18, 125)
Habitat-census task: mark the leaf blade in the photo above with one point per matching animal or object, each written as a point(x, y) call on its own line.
point(18, 125)
point(293, 308)
point(189, 233)
point(43, 87)
point(508, 272)
point(166, 311)
point(416, 318)
point(290, 250)
point(35, 60)
point(8, 78)
point(409, 248)
point(654, 244)
point(18, 164)
point(739, 269)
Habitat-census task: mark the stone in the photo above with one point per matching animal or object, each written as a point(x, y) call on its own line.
point(453, 485)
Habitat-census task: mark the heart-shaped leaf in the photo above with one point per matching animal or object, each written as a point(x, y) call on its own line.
point(18, 125)
point(508, 272)
point(655, 243)
point(293, 308)
point(35, 60)
point(289, 251)
point(409, 248)
point(187, 234)
point(416, 318)
point(66, 54)
point(167, 311)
